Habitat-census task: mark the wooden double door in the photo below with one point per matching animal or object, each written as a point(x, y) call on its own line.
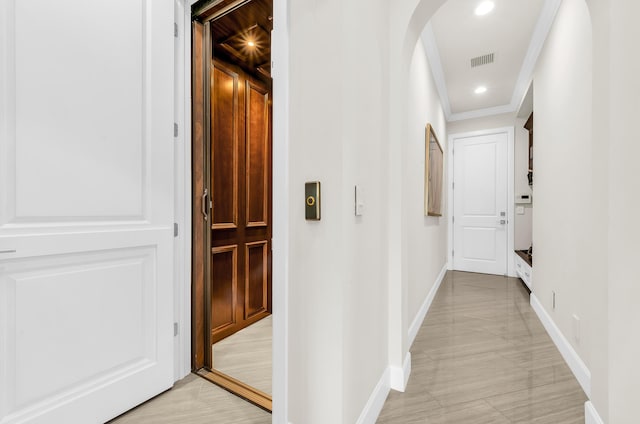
point(240, 193)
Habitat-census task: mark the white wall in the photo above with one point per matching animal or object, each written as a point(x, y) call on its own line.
point(426, 236)
point(624, 204)
point(337, 286)
point(565, 256)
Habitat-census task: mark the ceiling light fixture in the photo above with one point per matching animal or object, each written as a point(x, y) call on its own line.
point(251, 43)
point(480, 90)
point(484, 8)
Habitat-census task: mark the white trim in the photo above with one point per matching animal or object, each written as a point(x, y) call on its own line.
point(538, 38)
point(182, 187)
point(480, 113)
point(571, 357)
point(374, 405)
point(510, 131)
point(540, 32)
point(422, 313)
point(399, 377)
point(281, 205)
point(591, 416)
point(433, 56)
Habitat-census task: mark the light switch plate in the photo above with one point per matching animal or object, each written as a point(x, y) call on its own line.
point(359, 201)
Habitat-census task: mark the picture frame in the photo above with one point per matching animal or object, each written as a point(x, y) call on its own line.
point(433, 173)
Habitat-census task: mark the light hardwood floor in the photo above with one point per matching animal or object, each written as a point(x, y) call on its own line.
point(193, 400)
point(482, 356)
point(246, 355)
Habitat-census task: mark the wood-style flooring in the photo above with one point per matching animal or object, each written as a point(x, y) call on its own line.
point(194, 400)
point(482, 356)
point(246, 355)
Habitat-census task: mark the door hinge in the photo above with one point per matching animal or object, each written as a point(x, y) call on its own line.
point(453, 253)
point(175, 30)
point(175, 329)
point(453, 185)
point(175, 229)
point(175, 129)
point(453, 219)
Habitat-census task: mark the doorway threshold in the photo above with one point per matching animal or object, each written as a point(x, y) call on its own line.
point(238, 388)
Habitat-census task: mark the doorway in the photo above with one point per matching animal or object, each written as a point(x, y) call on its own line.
point(232, 192)
point(481, 183)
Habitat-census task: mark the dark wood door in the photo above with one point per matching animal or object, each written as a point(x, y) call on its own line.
point(240, 185)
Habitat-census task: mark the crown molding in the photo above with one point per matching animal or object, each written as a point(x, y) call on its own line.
point(538, 38)
point(433, 57)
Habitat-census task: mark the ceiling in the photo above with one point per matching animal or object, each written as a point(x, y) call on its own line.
point(514, 31)
point(232, 33)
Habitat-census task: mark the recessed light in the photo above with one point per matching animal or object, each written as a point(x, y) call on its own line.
point(480, 90)
point(251, 43)
point(484, 8)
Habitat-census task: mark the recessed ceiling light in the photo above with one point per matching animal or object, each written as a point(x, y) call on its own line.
point(480, 90)
point(251, 43)
point(484, 8)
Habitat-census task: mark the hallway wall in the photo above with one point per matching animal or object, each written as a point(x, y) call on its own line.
point(568, 259)
point(426, 236)
point(337, 268)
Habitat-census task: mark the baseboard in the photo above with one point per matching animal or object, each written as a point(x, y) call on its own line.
point(374, 405)
point(399, 377)
point(422, 313)
point(571, 357)
point(590, 414)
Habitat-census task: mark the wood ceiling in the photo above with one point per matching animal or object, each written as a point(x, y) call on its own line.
point(234, 32)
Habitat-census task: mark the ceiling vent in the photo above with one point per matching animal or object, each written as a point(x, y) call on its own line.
point(482, 60)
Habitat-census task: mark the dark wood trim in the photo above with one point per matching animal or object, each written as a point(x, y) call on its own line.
point(251, 394)
point(209, 10)
point(207, 58)
point(198, 181)
point(525, 257)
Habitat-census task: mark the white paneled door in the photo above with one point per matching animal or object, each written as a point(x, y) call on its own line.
point(86, 207)
point(480, 203)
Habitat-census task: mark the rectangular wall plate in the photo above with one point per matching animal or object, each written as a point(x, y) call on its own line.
point(312, 201)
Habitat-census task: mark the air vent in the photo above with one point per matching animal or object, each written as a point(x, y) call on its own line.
point(482, 60)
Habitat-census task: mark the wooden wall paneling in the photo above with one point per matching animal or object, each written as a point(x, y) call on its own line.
point(256, 274)
point(224, 287)
point(257, 157)
point(224, 131)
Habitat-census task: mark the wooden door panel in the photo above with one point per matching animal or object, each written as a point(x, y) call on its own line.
point(256, 274)
point(257, 156)
point(224, 287)
point(224, 147)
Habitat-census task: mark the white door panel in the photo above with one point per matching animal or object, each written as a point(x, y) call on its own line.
point(86, 208)
point(480, 204)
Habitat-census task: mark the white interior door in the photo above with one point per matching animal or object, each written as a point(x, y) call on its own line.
point(86, 207)
point(480, 203)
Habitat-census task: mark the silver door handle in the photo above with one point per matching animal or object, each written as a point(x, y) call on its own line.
point(8, 251)
point(204, 203)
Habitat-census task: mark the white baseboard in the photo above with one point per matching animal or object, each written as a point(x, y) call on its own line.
point(590, 414)
point(422, 313)
point(374, 405)
point(399, 377)
point(571, 357)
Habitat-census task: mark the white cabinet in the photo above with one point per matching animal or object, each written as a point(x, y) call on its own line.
point(524, 271)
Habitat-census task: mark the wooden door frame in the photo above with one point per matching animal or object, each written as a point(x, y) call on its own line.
point(201, 352)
